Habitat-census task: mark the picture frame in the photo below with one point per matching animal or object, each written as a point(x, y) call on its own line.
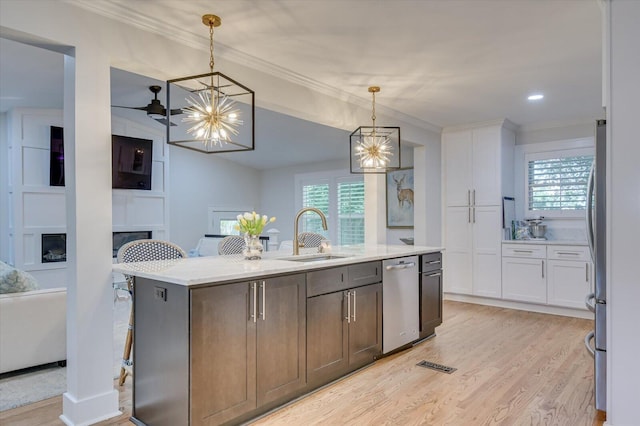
point(399, 198)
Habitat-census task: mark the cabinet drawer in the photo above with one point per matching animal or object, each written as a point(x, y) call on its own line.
point(327, 281)
point(580, 253)
point(431, 262)
point(365, 273)
point(532, 251)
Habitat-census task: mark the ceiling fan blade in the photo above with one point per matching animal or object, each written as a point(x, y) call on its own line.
point(177, 111)
point(163, 121)
point(144, 108)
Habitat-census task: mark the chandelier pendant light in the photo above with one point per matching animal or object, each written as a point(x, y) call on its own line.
point(218, 111)
point(374, 149)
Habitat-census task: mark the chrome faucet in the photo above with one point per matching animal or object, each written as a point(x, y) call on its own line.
point(296, 245)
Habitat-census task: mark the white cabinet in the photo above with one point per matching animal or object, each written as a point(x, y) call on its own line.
point(523, 273)
point(459, 250)
point(569, 275)
point(478, 165)
point(477, 172)
point(558, 275)
point(487, 242)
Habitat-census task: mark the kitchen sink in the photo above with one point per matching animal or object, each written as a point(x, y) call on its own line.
point(313, 258)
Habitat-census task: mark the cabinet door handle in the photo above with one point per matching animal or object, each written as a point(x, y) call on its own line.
point(586, 272)
point(254, 288)
point(474, 214)
point(401, 266)
point(468, 197)
point(469, 219)
point(543, 269)
point(474, 198)
point(348, 295)
point(354, 306)
point(263, 314)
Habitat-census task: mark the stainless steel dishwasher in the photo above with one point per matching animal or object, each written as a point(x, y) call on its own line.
point(400, 302)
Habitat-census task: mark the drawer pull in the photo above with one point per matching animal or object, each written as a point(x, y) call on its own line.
point(437, 274)
point(433, 262)
point(523, 251)
point(568, 253)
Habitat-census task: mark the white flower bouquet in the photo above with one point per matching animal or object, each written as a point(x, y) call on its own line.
point(252, 223)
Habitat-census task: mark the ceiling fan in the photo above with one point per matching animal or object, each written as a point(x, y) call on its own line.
point(155, 109)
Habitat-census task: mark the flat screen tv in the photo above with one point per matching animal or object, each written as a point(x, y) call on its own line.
point(132, 161)
point(56, 158)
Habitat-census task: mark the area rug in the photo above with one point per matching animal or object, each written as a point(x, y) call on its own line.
point(32, 386)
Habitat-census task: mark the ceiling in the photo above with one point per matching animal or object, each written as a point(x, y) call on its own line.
point(442, 62)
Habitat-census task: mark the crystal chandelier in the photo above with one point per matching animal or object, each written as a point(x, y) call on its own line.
point(374, 149)
point(216, 109)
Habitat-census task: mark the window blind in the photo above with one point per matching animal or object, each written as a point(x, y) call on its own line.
point(350, 212)
point(559, 183)
point(315, 195)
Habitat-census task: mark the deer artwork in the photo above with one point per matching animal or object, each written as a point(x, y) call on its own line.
point(404, 194)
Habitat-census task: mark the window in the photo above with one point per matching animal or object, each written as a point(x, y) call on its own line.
point(557, 182)
point(340, 198)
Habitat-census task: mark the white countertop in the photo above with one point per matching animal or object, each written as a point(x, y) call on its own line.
point(547, 242)
point(216, 269)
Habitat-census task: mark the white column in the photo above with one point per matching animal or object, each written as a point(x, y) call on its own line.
point(622, 86)
point(375, 219)
point(90, 395)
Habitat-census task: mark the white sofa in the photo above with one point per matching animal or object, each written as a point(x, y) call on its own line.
point(32, 328)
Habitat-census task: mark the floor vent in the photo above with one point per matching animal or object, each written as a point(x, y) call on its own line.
point(437, 367)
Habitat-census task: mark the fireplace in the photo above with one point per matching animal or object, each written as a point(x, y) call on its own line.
point(54, 248)
point(122, 238)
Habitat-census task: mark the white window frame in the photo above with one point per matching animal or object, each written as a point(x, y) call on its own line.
point(332, 177)
point(544, 155)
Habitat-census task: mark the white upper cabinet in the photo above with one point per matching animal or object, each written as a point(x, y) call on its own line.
point(478, 165)
point(457, 165)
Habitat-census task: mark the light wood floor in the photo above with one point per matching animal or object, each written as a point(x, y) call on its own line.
point(514, 368)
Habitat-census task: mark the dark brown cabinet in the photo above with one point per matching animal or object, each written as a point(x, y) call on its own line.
point(430, 293)
point(247, 346)
point(344, 327)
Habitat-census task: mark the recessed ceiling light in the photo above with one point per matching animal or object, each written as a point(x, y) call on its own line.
point(535, 97)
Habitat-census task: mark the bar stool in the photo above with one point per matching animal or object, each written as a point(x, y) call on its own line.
point(141, 251)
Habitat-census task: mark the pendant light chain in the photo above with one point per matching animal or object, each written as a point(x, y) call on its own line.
point(211, 45)
point(373, 114)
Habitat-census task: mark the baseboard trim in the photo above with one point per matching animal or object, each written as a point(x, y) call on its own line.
point(90, 410)
point(521, 306)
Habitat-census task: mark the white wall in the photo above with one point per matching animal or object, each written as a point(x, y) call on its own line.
point(198, 181)
point(545, 132)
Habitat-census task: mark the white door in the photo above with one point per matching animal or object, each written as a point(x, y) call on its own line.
point(486, 189)
point(524, 279)
point(457, 166)
point(568, 282)
point(487, 251)
point(457, 256)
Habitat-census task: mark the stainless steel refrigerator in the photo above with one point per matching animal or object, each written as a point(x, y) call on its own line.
point(596, 236)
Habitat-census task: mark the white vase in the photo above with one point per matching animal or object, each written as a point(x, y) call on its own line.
point(252, 247)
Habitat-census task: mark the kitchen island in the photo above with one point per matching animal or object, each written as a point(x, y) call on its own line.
point(221, 339)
